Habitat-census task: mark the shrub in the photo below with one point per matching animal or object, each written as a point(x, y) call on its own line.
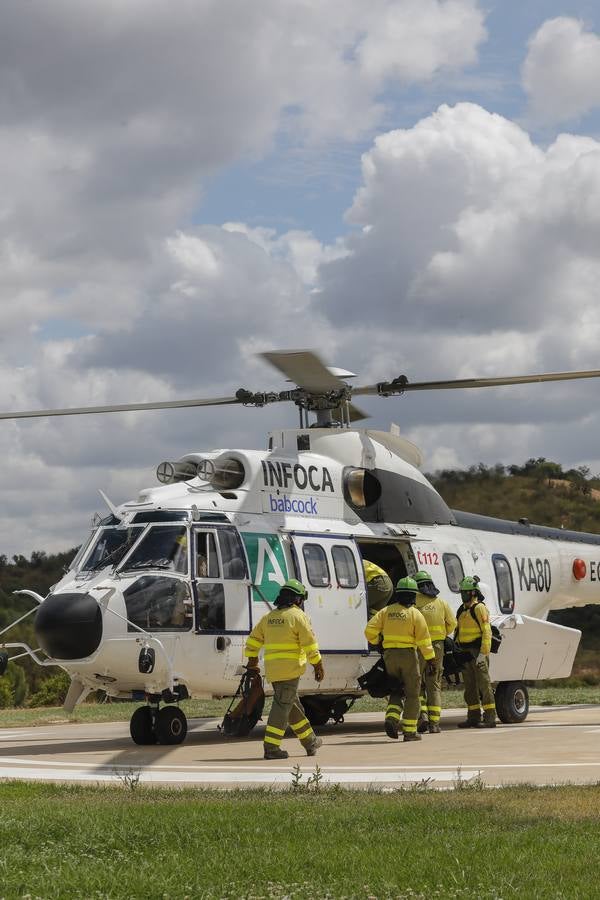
point(52, 692)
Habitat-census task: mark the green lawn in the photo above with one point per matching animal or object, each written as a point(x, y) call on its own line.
point(83, 842)
point(121, 712)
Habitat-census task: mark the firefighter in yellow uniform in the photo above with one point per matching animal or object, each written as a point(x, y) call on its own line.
point(474, 634)
point(379, 587)
point(288, 640)
point(401, 629)
point(441, 622)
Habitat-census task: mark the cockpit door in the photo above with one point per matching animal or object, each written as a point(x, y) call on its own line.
point(221, 583)
point(331, 570)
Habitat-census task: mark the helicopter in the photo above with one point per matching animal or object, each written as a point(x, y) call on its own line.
point(158, 602)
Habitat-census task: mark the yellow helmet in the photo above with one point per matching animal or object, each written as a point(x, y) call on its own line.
point(372, 570)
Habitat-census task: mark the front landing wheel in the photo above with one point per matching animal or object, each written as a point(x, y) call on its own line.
point(141, 726)
point(171, 725)
point(512, 702)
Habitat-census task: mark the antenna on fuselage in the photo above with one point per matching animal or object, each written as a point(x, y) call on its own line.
point(110, 505)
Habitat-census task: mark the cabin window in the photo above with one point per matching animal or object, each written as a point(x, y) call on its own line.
point(158, 603)
point(162, 548)
point(504, 581)
point(317, 569)
point(207, 561)
point(232, 554)
point(211, 606)
point(454, 571)
point(345, 567)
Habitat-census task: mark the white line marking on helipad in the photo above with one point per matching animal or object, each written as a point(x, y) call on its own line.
point(13, 733)
point(213, 767)
point(257, 776)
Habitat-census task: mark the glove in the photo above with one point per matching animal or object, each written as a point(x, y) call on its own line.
point(481, 658)
point(319, 671)
point(430, 667)
point(252, 662)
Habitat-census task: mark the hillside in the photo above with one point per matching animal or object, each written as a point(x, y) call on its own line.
point(539, 491)
point(38, 573)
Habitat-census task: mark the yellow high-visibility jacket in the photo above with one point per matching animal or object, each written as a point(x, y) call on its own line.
point(379, 586)
point(473, 629)
point(402, 627)
point(372, 570)
point(440, 619)
point(288, 639)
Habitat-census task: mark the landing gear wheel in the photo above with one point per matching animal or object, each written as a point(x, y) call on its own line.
point(141, 726)
point(512, 702)
point(171, 725)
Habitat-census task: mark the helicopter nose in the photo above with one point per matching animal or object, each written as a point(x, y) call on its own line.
point(69, 626)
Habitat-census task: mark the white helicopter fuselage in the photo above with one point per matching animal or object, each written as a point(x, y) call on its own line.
point(197, 563)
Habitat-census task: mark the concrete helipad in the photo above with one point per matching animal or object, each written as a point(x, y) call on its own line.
point(555, 745)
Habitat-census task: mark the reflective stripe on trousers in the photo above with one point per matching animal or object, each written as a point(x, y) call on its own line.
point(287, 710)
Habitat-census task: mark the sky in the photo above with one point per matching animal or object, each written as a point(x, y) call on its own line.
point(403, 186)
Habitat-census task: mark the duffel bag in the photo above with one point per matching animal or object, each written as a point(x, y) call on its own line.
point(377, 683)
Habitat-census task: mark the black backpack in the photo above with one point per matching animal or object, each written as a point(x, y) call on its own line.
point(378, 683)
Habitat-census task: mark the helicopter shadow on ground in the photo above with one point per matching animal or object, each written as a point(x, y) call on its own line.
point(53, 748)
point(131, 756)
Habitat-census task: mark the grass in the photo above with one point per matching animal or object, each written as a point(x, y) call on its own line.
point(551, 695)
point(326, 843)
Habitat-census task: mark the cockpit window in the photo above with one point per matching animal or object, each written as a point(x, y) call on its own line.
point(162, 515)
point(109, 547)
point(163, 547)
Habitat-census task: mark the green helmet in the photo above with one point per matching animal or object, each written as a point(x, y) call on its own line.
point(407, 584)
point(406, 592)
point(422, 576)
point(292, 584)
point(292, 593)
point(425, 584)
point(469, 583)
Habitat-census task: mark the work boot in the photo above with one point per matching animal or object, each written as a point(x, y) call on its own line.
point(412, 736)
point(311, 750)
point(489, 723)
point(434, 728)
point(423, 724)
point(391, 729)
point(470, 723)
point(275, 753)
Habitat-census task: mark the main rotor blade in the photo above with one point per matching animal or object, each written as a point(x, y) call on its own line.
point(400, 387)
point(120, 407)
point(305, 370)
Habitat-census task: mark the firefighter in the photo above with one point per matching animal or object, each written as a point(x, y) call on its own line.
point(474, 635)
point(379, 587)
point(401, 629)
point(441, 622)
point(288, 640)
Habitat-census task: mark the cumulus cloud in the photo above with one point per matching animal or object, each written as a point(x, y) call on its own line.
point(475, 253)
point(470, 227)
point(471, 249)
point(300, 249)
point(561, 73)
point(113, 114)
